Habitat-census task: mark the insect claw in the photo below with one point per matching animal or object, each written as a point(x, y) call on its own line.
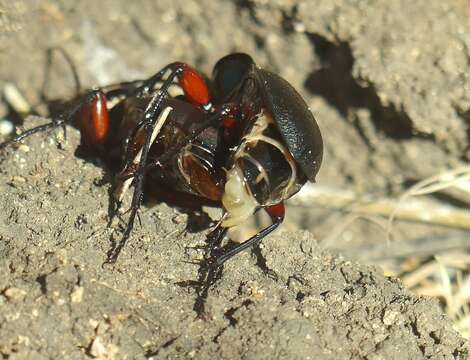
point(108, 263)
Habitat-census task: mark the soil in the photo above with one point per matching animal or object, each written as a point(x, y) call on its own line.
point(387, 81)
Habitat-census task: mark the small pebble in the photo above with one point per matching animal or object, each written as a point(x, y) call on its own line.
point(390, 316)
point(23, 148)
point(97, 348)
point(77, 294)
point(6, 127)
point(14, 294)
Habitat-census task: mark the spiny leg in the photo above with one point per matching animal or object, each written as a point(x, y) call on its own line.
point(197, 92)
point(148, 124)
point(62, 120)
point(211, 268)
point(124, 186)
point(208, 274)
point(130, 88)
point(215, 238)
point(276, 212)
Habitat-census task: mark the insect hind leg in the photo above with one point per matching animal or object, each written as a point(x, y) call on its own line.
point(60, 121)
point(149, 123)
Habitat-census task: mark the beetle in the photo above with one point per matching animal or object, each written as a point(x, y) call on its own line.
point(244, 141)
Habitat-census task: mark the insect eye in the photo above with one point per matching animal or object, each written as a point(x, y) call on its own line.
point(229, 72)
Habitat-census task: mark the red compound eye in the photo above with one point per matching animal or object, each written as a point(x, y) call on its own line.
point(194, 86)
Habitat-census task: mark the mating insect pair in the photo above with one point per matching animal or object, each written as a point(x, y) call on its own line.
point(244, 141)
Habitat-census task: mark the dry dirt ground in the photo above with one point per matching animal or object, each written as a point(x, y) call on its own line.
point(389, 83)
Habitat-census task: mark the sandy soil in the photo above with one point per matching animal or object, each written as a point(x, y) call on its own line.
point(388, 82)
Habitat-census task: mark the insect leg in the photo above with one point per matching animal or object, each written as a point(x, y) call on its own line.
point(151, 115)
point(62, 120)
point(215, 238)
point(276, 212)
point(124, 186)
point(193, 84)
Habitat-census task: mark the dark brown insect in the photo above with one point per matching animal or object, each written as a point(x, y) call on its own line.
point(244, 141)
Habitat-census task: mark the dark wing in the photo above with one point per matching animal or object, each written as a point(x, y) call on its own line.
point(294, 119)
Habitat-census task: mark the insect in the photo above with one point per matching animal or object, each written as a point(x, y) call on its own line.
point(244, 140)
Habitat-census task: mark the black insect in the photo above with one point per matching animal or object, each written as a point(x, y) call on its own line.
point(244, 141)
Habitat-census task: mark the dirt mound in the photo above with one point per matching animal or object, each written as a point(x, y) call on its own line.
point(290, 299)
